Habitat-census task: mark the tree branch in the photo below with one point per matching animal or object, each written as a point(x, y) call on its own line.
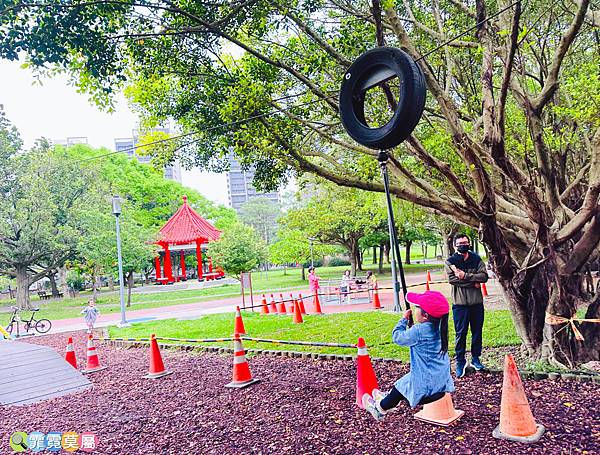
point(567, 39)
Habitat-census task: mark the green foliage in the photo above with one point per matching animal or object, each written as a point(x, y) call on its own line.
point(337, 262)
point(239, 249)
point(262, 214)
point(75, 280)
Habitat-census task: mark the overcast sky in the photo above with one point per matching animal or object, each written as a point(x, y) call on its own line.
point(56, 111)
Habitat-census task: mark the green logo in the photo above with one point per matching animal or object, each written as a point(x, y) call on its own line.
point(18, 441)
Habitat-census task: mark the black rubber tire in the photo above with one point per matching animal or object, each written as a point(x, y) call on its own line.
point(411, 98)
point(43, 325)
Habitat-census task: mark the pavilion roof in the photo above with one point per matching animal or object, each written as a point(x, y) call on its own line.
point(187, 226)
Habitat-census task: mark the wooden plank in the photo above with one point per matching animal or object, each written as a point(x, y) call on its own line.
point(30, 373)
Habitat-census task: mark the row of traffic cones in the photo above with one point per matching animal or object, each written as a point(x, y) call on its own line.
point(274, 308)
point(156, 370)
point(516, 419)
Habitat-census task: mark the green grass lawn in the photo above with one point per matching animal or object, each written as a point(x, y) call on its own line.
point(374, 327)
point(261, 282)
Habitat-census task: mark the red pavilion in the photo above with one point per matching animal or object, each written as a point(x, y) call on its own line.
point(185, 233)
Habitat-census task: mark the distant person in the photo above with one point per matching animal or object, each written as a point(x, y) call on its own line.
point(466, 271)
point(313, 281)
point(91, 314)
point(345, 286)
point(371, 280)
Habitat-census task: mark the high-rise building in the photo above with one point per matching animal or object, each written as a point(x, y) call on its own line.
point(239, 185)
point(70, 141)
point(128, 144)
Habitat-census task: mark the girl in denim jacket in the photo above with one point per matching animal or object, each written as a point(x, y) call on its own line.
point(429, 362)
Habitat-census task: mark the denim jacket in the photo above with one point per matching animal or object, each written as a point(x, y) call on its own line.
point(429, 370)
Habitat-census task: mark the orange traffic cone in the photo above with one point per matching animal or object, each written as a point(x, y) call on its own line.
point(484, 290)
point(93, 364)
point(366, 380)
point(376, 301)
point(297, 313)
point(316, 304)
point(282, 305)
point(516, 419)
point(273, 305)
point(239, 322)
point(265, 308)
point(301, 302)
point(427, 281)
point(70, 355)
point(157, 367)
point(241, 370)
point(440, 412)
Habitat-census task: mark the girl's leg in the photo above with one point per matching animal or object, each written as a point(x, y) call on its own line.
point(392, 399)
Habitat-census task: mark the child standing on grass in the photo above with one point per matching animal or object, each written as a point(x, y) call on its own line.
point(429, 362)
point(91, 314)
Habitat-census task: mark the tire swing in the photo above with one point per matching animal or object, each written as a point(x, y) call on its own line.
point(368, 71)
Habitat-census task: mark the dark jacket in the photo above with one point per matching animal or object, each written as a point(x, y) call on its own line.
point(467, 290)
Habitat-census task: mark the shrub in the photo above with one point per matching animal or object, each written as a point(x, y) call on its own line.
point(337, 262)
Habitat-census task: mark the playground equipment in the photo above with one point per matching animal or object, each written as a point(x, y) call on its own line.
point(353, 292)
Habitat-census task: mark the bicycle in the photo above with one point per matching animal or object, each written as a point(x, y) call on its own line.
point(40, 325)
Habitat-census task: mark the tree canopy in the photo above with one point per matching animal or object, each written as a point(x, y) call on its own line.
point(509, 145)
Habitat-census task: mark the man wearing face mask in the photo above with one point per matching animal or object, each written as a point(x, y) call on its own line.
point(466, 271)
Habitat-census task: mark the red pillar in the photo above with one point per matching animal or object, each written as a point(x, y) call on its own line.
point(199, 257)
point(182, 260)
point(168, 267)
point(157, 267)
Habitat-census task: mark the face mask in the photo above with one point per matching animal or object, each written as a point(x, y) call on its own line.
point(462, 249)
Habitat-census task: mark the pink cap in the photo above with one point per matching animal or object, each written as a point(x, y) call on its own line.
point(433, 303)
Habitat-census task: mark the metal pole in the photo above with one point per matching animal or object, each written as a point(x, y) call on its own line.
point(123, 322)
point(395, 250)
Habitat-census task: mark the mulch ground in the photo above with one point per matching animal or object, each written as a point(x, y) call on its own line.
point(300, 407)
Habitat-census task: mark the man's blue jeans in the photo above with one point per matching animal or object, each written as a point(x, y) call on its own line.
point(465, 316)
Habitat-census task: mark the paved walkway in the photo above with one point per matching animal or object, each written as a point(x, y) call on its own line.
point(197, 309)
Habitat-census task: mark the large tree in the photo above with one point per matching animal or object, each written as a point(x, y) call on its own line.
point(510, 143)
point(42, 196)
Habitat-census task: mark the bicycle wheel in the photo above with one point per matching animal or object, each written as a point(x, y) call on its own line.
point(43, 325)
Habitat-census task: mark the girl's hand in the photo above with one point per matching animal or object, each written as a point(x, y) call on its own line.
point(407, 314)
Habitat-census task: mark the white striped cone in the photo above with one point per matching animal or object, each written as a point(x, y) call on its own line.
point(93, 364)
point(242, 377)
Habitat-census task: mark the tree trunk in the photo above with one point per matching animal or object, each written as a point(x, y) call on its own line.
point(303, 274)
point(285, 271)
point(129, 279)
point(23, 282)
point(533, 292)
point(374, 255)
point(95, 283)
point(358, 257)
point(386, 252)
point(407, 246)
point(53, 287)
point(449, 244)
point(111, 282)
point(62, 278)
point(381, 249)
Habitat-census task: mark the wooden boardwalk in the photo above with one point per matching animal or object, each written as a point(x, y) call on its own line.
point(30, 373)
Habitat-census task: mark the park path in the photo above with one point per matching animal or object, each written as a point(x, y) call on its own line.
point(197, 309)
